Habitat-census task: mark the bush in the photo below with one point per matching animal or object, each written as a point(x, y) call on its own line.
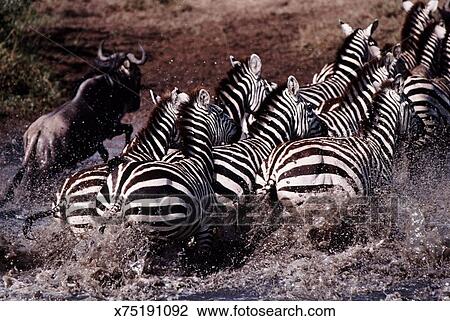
point(25, 88)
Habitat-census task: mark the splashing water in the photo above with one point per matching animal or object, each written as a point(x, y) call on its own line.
point(403, 254)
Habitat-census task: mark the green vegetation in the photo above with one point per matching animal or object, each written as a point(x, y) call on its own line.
point(25, 86)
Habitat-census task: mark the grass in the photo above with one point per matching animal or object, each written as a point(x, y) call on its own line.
point(26, 86)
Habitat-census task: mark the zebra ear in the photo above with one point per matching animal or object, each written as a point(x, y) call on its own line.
point(371, 28)
point(203, 98)
point(234, 62)
point(255, 64)
point(346, 28)
point(397, 84)
point(432, 6)
point(292, 85)
point(407, 5)
point(174, 95)
point(397, 51)
point(440, 30)
point(388, 60)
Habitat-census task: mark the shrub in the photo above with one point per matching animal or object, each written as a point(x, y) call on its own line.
point(25, 88)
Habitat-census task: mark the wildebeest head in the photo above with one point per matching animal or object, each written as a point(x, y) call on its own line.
point(123, 70)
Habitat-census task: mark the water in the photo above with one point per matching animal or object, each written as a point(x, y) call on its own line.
point(394, 257)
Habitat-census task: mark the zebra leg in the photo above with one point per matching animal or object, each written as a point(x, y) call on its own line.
point(128, 129)
point(204, 239)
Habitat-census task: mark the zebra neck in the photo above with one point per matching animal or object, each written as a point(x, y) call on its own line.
point(429, 52)
point(383, 137)
point(445, 72)
point(409, 57)
point(277, 120)
point(153, 142)
point(413, 29)
point(232, 93)
point(198, 148)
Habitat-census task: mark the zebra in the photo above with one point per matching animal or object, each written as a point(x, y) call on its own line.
point(419, 16)
point(431, 101)
point(430, 97)
point(323, 74)
point(354, 108)
point(243, 90)
point(345, 166)
point(358, 48)
point(432, 39)
point(283, 116)
point(75, 201)
point(169, 199)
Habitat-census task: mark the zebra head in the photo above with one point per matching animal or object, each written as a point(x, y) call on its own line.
point(419, 16)
point(224, 129)
point(173, 104)
point(303, 112)
point(220, 127)
point(244, 90)
point(363, 40)
point(431, 6)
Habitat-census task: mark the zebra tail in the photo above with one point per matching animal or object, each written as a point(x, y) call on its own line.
point(9, 192)
point(26, 228)
point(110, 215)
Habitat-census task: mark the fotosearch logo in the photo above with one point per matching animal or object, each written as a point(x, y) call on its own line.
point(371, 212)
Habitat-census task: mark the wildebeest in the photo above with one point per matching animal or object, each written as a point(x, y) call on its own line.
point(76, 130)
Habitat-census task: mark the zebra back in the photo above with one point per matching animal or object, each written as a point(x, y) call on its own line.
point(353, 165)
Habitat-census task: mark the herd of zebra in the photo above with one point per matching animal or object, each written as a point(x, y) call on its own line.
point(337, 136)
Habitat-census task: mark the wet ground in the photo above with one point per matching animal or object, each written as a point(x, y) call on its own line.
point(394, 252)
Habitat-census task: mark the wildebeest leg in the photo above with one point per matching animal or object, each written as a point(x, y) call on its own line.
point(127, 130)
point(124, 129)
point(9, 193)
point(103, 152)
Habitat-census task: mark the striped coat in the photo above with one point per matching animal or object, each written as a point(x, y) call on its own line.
point(350, 166)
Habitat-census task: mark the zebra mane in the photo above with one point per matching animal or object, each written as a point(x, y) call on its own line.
point(229, 77)
point(372, 118)
point(361, 73)
point(408, 24)
point(424, 37)
point(265, 104)
point(185, 111)
point(341, 51)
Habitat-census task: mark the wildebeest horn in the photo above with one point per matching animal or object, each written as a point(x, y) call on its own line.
point(100, 54)
point(133, 58)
